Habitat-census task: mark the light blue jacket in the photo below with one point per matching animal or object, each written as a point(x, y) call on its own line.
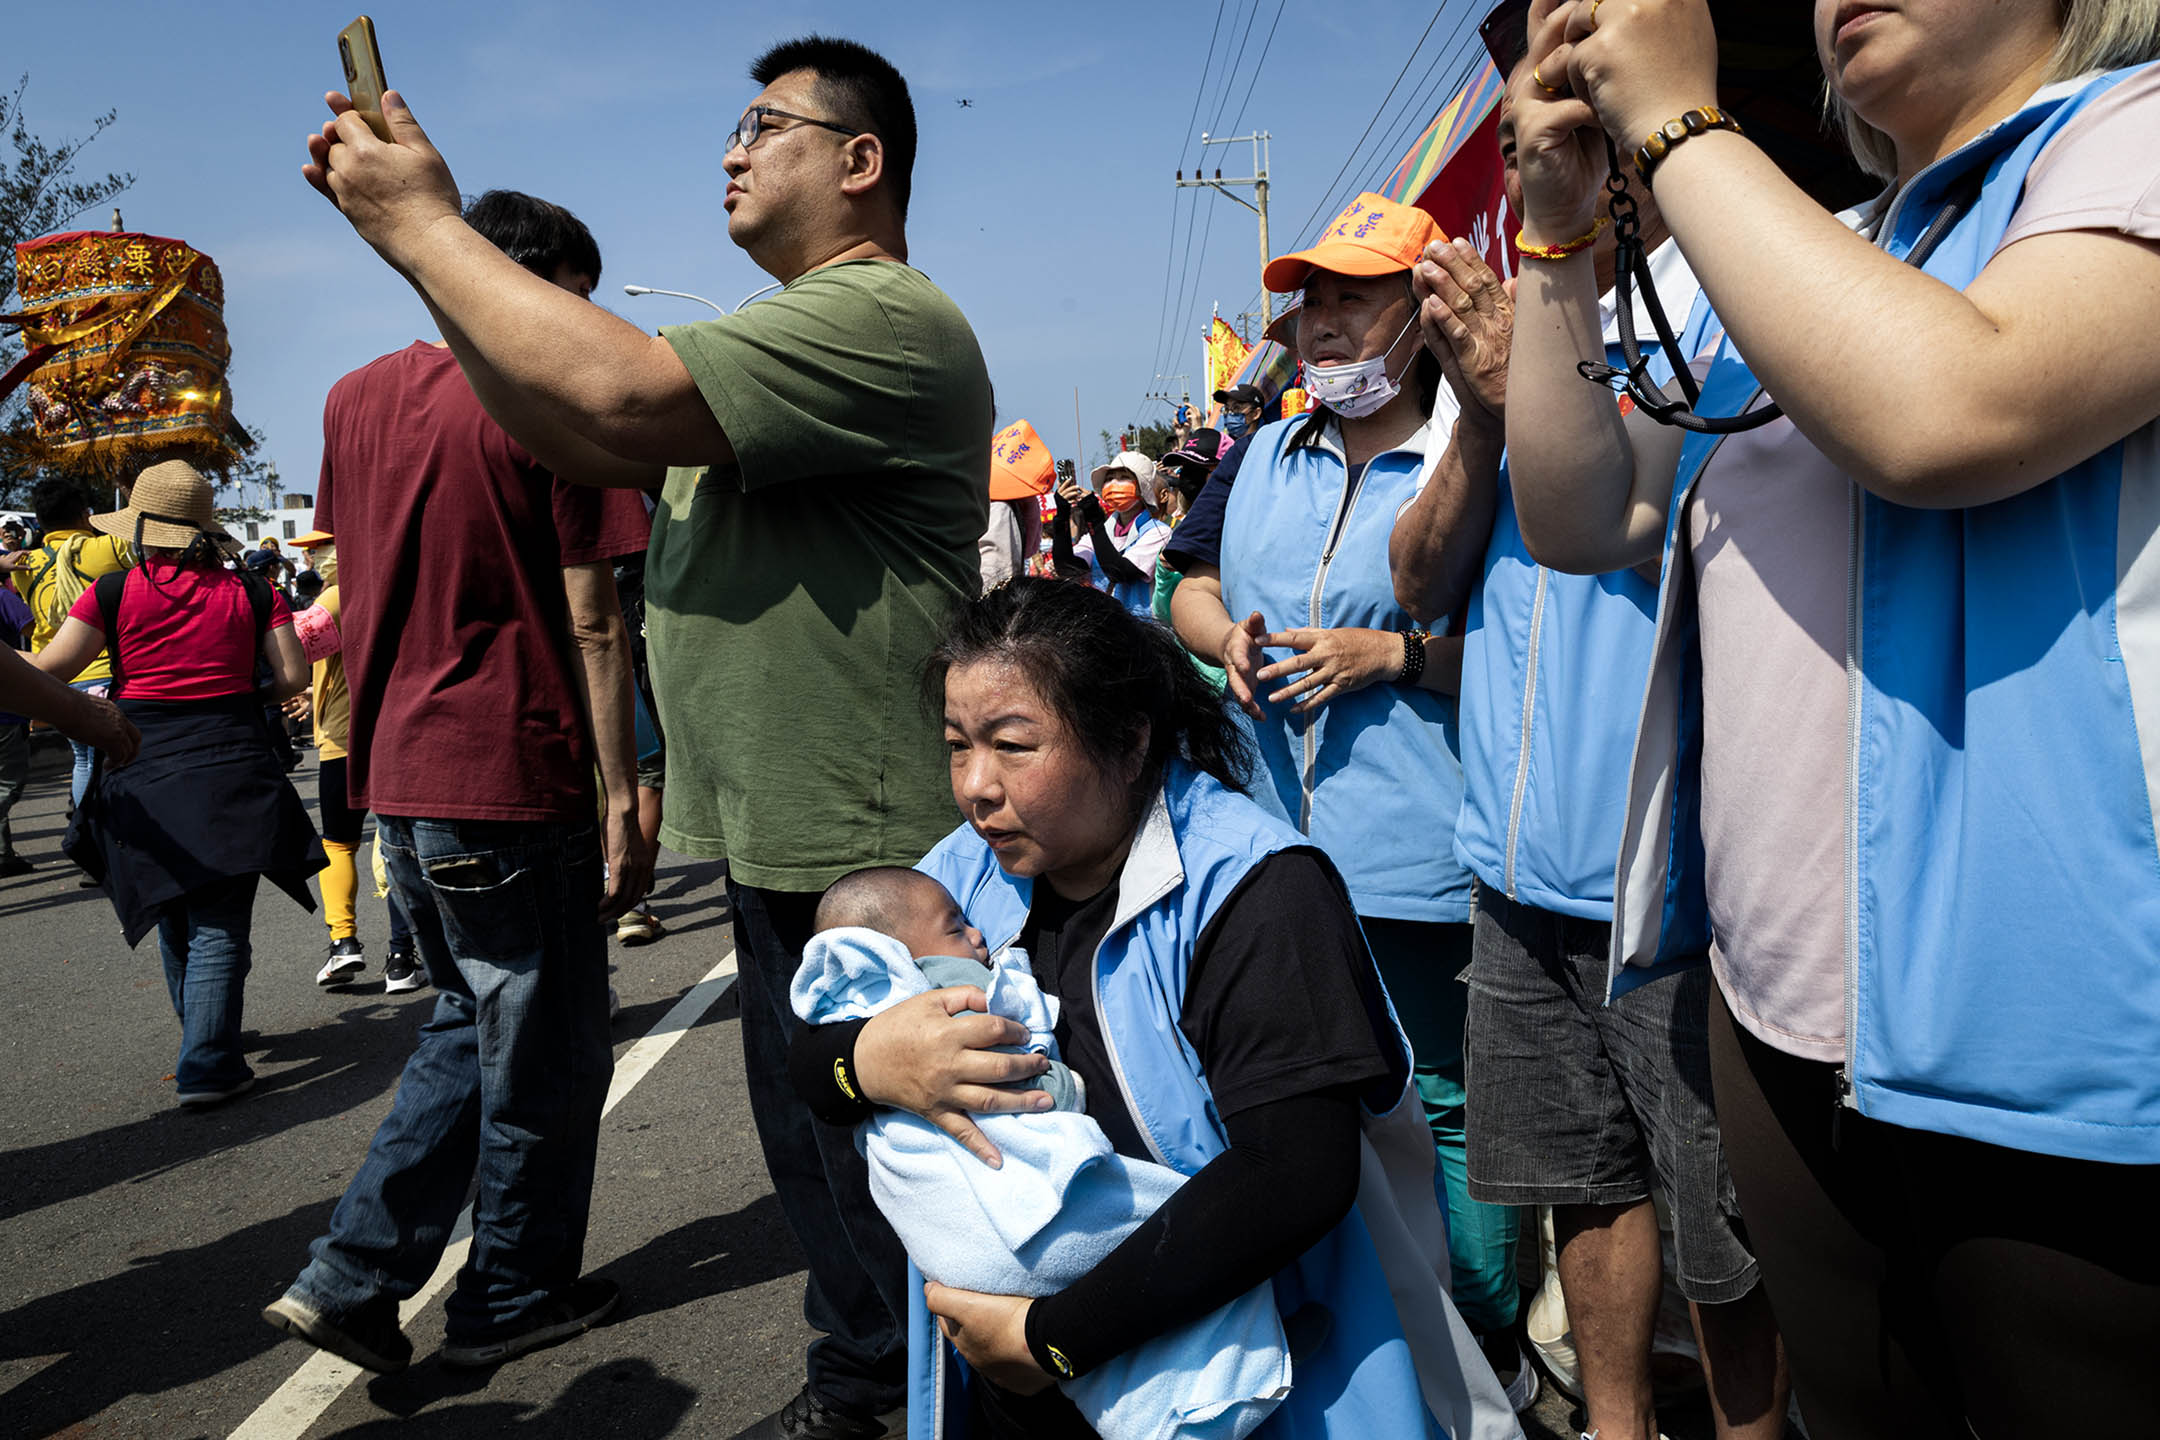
point(1376, 1347)
point(2002, 895)
point(1374, 777)
point(1553, 673)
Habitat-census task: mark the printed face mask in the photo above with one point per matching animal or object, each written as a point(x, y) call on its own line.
point(1358, 388)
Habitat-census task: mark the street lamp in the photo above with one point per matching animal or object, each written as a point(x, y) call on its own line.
point(686, 295)
point(678, 294)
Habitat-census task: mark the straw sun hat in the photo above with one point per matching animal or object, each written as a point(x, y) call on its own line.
point(171, 505)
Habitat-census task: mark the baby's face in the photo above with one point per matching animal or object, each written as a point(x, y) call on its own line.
point(935, 926)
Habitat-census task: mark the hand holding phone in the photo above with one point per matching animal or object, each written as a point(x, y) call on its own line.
point(364, 81)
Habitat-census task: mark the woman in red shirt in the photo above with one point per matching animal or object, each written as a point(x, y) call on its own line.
point(182, 836)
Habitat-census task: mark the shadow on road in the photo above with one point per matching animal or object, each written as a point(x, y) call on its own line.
point(708, 1256)
point(627, 1397)
point(343, 1061)
point(169, 1320)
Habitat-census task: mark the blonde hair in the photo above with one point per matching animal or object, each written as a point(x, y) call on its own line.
point(2096, 35)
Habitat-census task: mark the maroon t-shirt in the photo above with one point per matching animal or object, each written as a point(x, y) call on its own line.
point(451, 544)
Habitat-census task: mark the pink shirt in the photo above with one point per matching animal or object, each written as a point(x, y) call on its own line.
point(186, 632)
point(1770, 526)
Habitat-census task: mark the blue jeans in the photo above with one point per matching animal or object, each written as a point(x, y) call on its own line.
point(505, 917)
point(79, 779)
point(204, 939)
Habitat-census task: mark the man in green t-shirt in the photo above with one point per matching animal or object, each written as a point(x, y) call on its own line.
point(826, 459)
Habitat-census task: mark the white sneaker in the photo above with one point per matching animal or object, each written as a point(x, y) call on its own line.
point(346, 960)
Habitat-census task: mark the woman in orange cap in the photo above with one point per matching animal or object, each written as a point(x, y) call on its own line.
point(1352, 701)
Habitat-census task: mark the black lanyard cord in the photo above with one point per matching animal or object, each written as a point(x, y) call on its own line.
point(1631, 268)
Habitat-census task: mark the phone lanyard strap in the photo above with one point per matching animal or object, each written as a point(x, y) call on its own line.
point(1631, 269)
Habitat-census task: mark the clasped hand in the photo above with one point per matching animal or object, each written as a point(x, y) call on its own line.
point(1467, 316)
point(1332, 663)
point(937, 1056)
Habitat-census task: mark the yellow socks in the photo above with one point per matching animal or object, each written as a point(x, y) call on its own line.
point(340, 883)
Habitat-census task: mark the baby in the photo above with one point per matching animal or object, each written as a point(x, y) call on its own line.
point(1062, 1200)
point(910, 907)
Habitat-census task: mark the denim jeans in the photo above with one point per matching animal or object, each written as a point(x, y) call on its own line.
point(857, 1288)
point(79, 778)
point(505, 917)
point(204, 938)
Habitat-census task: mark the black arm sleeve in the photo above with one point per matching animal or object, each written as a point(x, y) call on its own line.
point(1209, 1243)
point(1120, 570)
point(821, 1064)
point(1062, 559)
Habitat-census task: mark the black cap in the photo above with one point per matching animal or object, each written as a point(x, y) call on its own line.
point(1506, 33)
point(1241, 395)
point(1199, 449)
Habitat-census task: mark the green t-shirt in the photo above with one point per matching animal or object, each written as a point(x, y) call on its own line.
point(792, 599)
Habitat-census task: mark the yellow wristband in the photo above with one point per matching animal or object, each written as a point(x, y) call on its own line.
point(1576, 246)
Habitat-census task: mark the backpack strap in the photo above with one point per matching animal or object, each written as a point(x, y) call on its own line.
point(258, 593)
point(108, 588)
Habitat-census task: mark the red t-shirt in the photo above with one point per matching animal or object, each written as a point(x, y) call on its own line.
point(187, 632)
point(451, 544)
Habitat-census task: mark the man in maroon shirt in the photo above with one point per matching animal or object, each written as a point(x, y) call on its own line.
point(463, 567)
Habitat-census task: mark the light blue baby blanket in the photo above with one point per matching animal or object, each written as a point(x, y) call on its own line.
point(1062, 1201)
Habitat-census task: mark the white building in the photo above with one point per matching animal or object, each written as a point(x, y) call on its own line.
point(294, 517)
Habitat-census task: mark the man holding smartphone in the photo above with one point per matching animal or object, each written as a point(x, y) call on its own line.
point(824, 455)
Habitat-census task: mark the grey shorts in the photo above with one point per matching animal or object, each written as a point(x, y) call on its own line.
point(1576, 1102)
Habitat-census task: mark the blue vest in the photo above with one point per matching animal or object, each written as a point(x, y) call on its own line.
point(1137, 596)
point(1374, 777)
point(2002, 900)
point(1377, 1350)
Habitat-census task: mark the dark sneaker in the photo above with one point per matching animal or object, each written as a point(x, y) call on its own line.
point(584, 1305)
point(806, 1418)
point(346, 961)
point(369, 1336)
point(15, 865)
point(203, 1099)
point(401, 972)
point(1517, 1376)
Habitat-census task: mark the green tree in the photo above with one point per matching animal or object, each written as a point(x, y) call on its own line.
point(39, 194)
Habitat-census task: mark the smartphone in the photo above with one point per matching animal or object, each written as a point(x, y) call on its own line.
point(364, 73)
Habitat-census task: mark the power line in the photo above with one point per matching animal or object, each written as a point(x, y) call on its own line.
point(1329, 189)
point(1229, 76)
point(1162, 318)
point(1421, 104)
point(1262, 65)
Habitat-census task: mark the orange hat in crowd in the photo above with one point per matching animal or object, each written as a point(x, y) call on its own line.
point(1020, 464)
point(1375, 236)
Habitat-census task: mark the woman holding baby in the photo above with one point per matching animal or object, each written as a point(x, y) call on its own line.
point(1218, 1002)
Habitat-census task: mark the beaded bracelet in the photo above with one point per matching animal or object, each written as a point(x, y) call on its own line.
point(1413, 658)
point(1561, 252)
point(1701, 120)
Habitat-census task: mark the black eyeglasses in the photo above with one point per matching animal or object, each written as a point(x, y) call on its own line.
point(752, 125)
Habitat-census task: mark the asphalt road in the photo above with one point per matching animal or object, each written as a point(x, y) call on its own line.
point(138, 1242)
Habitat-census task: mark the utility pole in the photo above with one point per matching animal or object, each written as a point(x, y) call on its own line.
point(1258, 180)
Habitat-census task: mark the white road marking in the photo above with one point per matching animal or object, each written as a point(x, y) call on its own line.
point(316, 1385)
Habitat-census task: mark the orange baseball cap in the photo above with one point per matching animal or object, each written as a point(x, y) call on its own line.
point(1375, 236)
point(1020, 464)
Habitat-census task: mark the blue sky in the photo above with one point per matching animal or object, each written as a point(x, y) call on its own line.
point(1045, 209)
